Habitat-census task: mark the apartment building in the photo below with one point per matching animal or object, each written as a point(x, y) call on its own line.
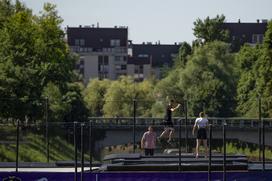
point(106, 53)
point(241, 33)
point(149, 59)
point(103, 51)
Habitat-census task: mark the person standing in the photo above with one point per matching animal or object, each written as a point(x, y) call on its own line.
point(169, 126)
point(148, 141)
point(201, 124)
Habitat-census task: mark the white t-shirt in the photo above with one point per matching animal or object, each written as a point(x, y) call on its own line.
point(201, 122)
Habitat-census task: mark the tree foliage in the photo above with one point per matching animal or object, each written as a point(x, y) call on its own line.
point(255, 65)
point(33, 58)
point(94, 95)
point(209, 80)
point(185, 51)
point(115, 98)
point(210, 29)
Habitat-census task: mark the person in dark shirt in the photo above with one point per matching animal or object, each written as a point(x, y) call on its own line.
point(169, 127)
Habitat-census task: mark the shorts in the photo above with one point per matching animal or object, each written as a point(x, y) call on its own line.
point(149, 152)
point(201, 134)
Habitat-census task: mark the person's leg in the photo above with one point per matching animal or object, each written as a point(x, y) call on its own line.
point(146, 151)
point(206, 147)
point(151, 152)
point(172, 130)
point(165, 133)
point(197, 147)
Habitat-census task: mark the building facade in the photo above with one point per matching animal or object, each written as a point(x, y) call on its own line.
point(149, 59)
point(250, 33)
point(106, 53)
point(103, 51)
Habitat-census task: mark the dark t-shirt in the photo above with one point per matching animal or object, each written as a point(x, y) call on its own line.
point(168, 116)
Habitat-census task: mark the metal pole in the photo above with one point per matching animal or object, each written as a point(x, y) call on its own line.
point(46, 129)
point(180, 145)
point(75, 149)
point(259, 129)
point(224, 151)
point(186, 127)
point(134, 124)
point(263, 144)
point(82, 152)
point(90, 144)
point(17, 144)
point(210, 152)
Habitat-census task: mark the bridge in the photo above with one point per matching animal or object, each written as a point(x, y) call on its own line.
point(120, 130)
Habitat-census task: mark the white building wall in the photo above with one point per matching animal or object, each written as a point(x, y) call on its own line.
point(147, 71)
point(90, 67)
point(130, 69)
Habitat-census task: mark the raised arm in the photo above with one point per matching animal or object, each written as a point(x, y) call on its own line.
point(173, 109)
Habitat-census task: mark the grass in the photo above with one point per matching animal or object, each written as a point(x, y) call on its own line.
point(251, 153)
point(33, 147)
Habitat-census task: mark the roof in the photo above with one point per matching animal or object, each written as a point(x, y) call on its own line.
point(157, 54)
point(96, 37)
point(245, 30)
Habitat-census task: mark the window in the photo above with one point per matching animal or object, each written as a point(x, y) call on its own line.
point(123, 67)
point(79, 42)
point(118, 67)
point(115, 43)
point(139, 69)
point(106, 60)
point(257, 38)
point(117, 58)
point(82, 42)
point(76, 42)
point(143, 55)
point(103, 60)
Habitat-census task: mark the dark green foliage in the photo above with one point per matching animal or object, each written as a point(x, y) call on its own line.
point(255, 65)
point(185, 51)
point(210, 29)
point(35, 60)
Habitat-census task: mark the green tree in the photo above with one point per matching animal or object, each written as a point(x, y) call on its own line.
point(246, 97)
point(185, 51)
point(121, 93)
point(166, 89)
point(209, 79)
point(210, 29)
point(33, 54)
point(255, 77)
point(94, 95)
point(119, 98)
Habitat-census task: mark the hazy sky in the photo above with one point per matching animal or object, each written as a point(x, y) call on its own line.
point(151, 20)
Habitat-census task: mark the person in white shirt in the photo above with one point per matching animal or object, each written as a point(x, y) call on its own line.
point(201, 124)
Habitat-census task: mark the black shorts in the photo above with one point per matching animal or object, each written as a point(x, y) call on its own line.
point(149, 152)
point(201, 134)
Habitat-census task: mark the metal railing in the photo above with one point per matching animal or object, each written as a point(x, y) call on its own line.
point(95, 122)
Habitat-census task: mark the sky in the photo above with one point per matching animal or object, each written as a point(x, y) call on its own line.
point(167, 21)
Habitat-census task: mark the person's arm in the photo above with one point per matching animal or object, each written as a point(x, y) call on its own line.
point(142, 141)
point(155, 139)
point(173, 109)
point(193, 131)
